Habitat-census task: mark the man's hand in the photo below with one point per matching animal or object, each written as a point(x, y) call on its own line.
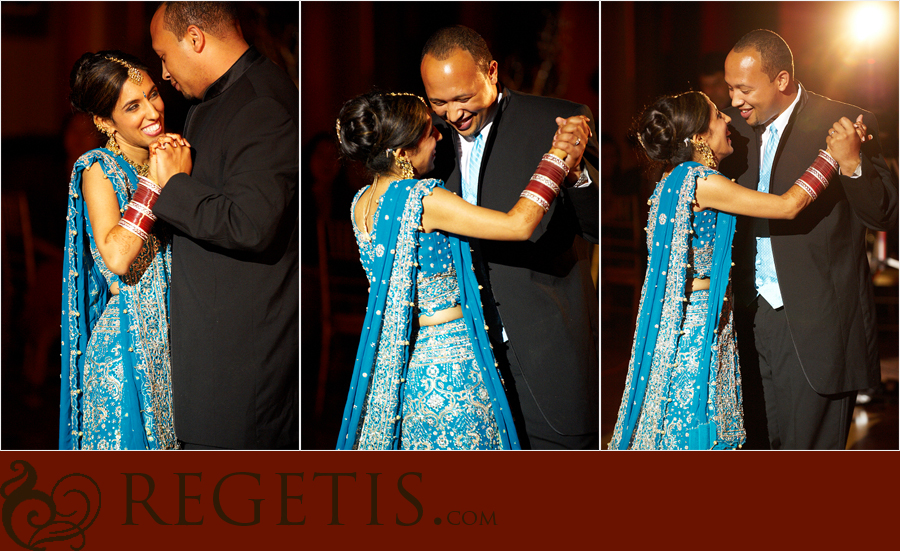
point(844, 142)
point(571, 137)
point(170, 155)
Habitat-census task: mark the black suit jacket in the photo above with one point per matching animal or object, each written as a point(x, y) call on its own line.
point(235, 286)
point(542, 287)
point(820, 257)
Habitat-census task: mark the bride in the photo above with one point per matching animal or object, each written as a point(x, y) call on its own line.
point(425, 376)
point(115, 381)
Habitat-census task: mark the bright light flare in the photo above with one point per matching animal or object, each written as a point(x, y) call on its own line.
point(869, 21)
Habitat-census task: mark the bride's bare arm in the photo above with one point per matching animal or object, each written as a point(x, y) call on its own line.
point(443, 210)
point(118, 246)
point(719, 193)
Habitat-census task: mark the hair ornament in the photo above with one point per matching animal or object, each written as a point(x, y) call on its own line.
point(687, 141)
point(337, 128)
point(420, 98)
point(134, 75)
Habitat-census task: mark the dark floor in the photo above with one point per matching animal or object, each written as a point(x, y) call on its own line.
point(875, 418)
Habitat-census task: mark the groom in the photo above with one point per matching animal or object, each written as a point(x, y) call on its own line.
point(539, 298)
point(805, 313)
point(235, 286)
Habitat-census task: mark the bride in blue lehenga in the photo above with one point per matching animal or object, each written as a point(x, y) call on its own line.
point(115, 383)
point(683, 386)
point(425, 376)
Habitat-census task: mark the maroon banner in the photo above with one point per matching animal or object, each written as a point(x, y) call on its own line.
point(233, 500)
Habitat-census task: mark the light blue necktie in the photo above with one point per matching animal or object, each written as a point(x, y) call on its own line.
point(470, 182)
point(766, 278)
point(470, 194)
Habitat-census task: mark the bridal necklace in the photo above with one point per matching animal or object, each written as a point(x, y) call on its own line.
point(112, 145)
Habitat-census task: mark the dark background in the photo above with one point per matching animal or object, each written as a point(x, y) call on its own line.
point(650, 49)
point(41, 139)
point(544, 48)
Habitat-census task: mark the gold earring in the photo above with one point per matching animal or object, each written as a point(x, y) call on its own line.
point(707, 152)
point(104, 129)
point(406, 168)
point(111, 143)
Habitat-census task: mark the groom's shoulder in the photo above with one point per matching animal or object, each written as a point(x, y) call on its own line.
point(823, 104)
point(531, 102)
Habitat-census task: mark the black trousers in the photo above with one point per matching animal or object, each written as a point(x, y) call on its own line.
point(796, 416)
point(534, 431)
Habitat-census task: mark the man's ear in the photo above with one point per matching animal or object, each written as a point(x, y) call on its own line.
point(782, 80)
point(196, 37)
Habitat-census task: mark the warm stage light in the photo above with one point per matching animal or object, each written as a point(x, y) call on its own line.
point(869, 21)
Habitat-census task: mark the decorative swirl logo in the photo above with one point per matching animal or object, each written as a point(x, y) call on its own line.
point(63, 515)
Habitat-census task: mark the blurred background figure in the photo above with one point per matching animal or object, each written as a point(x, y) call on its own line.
point(711, 79)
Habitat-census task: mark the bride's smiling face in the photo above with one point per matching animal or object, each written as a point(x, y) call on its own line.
point(422, 157)
point(138, 117)
point(717, 134)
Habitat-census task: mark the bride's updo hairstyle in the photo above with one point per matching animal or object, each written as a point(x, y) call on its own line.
point(664, 126)
point(96, 81)
point(371, 124)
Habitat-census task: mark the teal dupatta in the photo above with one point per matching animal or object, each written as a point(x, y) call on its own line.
point(371, 417)
point(715, 411)
point(134, 393)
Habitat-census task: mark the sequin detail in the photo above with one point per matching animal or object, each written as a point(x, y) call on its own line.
point(446, 404)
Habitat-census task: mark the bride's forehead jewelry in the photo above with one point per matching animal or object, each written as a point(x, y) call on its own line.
point(337, 128)
point(420, 98)
point(134, 75)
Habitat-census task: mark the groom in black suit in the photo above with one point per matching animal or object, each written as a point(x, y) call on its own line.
point(235, 253)
point(806, 309)
point(539, 298)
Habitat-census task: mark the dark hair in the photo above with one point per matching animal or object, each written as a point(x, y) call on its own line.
point(444, 42)
point(372, 123)
point(214, 18)
point(774, 53)
point(664, 125)
point(96, 81)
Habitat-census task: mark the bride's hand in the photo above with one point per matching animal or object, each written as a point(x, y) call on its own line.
point(170, 155)
point(571, 139)
point(154, 175)
point(176, 138)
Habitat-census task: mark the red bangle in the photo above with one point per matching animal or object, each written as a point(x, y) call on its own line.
point(138, 217)
point(816, 178)
point(544, 185)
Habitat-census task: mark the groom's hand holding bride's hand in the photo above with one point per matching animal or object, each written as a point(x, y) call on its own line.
point(571, 137)
point(844, 142)
point(170, 155)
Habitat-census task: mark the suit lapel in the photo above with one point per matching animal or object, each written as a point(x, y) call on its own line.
point(776, 185)
point(492, 137)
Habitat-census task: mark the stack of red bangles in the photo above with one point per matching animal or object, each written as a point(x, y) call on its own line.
point(138, 217)
point(815, 179)
point(544, 184)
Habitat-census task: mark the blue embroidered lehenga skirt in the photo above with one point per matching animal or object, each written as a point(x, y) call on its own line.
point(446, 404)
